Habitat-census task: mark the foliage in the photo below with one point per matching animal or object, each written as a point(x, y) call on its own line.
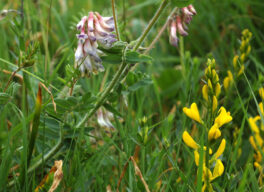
point(125, 128)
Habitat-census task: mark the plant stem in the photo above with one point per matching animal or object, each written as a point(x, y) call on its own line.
point(11, 77)
point(115, 20)
point(161, 31)
point(103, 95)
point(151, 23)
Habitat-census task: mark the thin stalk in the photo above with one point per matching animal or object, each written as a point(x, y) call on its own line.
point(11, 78)
point(151, 23)
point(104, 94)
point(161, 31)
point(115, 20)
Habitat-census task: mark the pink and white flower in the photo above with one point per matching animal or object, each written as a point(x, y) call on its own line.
point(178, 23)
point(94, 30)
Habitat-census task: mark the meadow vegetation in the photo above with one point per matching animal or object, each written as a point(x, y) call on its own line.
point(131, 95)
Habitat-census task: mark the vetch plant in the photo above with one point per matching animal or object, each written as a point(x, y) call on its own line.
point(94, 30)
point(178, 23)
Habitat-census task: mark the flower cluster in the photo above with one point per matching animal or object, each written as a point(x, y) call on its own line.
point(178, 23)
point(256, 140)
point(211, 90)
point(94, 30)
point(214, 161)
point(239, 59)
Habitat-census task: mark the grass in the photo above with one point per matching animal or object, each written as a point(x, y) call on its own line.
point(157, 90)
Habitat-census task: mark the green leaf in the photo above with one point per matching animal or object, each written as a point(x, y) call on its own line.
point(181, 3)
point(111, 58)
point(140, 84)
point(135, 57)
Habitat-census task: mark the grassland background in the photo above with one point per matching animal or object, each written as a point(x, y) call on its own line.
point(92, 165)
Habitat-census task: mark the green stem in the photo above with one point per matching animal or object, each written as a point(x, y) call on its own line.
point(151, 23)
point(115, 20)
point(103, 95)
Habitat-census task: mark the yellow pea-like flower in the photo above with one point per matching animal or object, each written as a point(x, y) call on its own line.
point(252, 123)
point(261, 93)
point(258, 166)
point(252, 142)
point(228, 80)
point(218, 169)
point(210, 84)
point(220, 149)
point(188, 140)
point(248, 50)
point(215, 103)
point(217, 89)
point(259, 140)
point(243, 57)
point(193, 112)
point(223, 118)
point(243, 45)
point(242, 69)
point(205, 92)
point(235, 59)
point(207, 174)
point(196, 157)
point(214, 132)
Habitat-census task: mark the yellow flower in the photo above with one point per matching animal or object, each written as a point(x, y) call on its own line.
point(214, 103)
point(193, 112)
point(228, 80)
point(248, 50)
point(217, 89)
point(196, 157)
point(223, 118)
point(214, 132)
point(218, 169)
point(220, 149)
point(261, 108)
point(210, 84)
point(243, 57)
point(235, 59)
point(188, 140)
point(252, 123)
point(207, 174)
point(252, 142)
point(242, 68)
point(205, 92)
point(259, 141)
point(261, 93)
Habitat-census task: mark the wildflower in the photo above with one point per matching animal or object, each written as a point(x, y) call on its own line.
point(223, 118)
point(205, 92)
point(228, 80)
point(94, 30)
point(173, 36)
point(261, 93)
point(188, 140)
point(178, 23)
point(215, 102)
point(253, 125)
point(214, 132)
point(103, 118)
point(245, 50)
point(193, 112)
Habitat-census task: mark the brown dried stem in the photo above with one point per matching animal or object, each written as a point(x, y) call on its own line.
point(137, 172)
